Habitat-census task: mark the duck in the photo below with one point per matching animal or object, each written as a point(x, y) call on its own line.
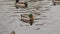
point(31, 19)
point(21, 4)
point(13, 32)
point(28, 18)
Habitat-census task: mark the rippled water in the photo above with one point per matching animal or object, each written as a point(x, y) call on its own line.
point(45, 23)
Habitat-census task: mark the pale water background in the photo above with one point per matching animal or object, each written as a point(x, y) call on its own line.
point(48, 23)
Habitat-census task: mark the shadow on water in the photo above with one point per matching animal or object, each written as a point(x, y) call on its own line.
point(37, 29)
point(24, 25)
point(40, 24)
point(27, 25)
point(21, 25)
point(44, 16)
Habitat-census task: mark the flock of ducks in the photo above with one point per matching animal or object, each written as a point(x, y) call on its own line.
point(28, 18)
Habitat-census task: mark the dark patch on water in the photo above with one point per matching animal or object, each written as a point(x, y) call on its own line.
point(44, 16)
point(37, 29)
point(44, 12)
point(21, 25)
point(36, 13)
point(47, 9)
point(39, 24)
point(37, 19)
point(21, 12)
point(26, 25)
point(7, 12)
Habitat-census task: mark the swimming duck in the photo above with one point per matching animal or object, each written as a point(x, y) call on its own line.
point(28, 19)
point(31, 19)
point(21, 4)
